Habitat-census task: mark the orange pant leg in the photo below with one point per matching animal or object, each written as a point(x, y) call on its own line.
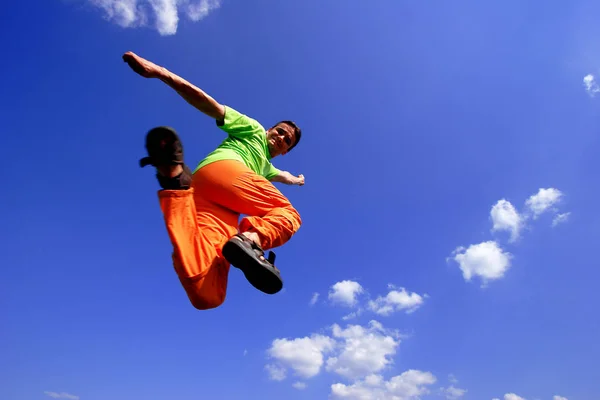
point(198, 230)
point(239, 189)
point(200, 220)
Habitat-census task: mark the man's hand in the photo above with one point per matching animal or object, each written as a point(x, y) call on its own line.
point(143, 67)
point(288, 179)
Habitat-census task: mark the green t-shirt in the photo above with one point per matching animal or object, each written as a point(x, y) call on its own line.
point(246, 141)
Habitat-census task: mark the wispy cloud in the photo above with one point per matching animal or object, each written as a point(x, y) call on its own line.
point(61, 395)
point(589, 82)
point(164, 15)
point(410, 385)
point(453, 393)
point(512, 396)
point(276, 372)
point(543, 200)
point(397, 299)
point(353, 314)
point(299, 385)
point(314, 298)
point(351, 294)
point(560, 218)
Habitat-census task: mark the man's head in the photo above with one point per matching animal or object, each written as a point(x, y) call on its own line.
point(283, 137)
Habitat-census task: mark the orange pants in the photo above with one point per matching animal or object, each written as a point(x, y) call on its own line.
point(201, 219)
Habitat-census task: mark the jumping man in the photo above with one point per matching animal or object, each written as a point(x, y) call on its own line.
point(202, 208)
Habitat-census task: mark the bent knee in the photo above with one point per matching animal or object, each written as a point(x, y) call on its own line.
point(203, 302)
point(294, 217)
point(204, 297)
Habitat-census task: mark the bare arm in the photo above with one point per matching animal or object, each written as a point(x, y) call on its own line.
point(288, 179)
point(191, 93)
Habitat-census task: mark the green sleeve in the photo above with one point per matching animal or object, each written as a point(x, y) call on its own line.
point(271, 171)
point(239, 125)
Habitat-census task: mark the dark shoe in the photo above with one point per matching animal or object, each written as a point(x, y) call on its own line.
point(244, 254)
point(165, 149)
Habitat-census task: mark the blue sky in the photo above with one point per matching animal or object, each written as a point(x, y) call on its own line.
point(450, 208)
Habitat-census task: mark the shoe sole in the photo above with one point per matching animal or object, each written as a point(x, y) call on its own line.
point(258, 273)
point(169, 139)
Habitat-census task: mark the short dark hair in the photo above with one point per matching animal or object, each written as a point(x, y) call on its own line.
point(297, 132)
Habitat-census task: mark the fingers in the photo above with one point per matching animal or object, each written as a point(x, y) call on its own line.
point(136, 63)
point(128, 56)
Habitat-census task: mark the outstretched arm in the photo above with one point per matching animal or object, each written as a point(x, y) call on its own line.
point(191, 93)
point(288, 179)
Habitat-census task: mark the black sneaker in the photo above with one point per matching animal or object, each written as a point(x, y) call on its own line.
point(244, 254)
point(163, 146)
point(165, 149)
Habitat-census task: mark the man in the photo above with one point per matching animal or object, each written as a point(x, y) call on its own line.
point(201, 209)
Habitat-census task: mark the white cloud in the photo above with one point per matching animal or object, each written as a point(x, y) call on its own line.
point(543, 200)
point(371, 388)
point(512, 396)
point(560, 218)
point(353, 314)
point(353, 352)
point(486, 260)
point(200, 9)
point(166, 14)
point(506, 218)
point(589, 82)
point(363, 350)
point(135, 13)
point(62, 395)
point(299, 385)
point(453, 393)
point(245, 351)
point(345, 292)
point(408, 386)
point(276, 372)
point(126, 13)
point(304, 355)
point(559, 398)
point(314, 298)
point(396, 300)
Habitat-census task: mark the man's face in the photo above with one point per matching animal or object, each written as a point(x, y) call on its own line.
point(280, 138)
